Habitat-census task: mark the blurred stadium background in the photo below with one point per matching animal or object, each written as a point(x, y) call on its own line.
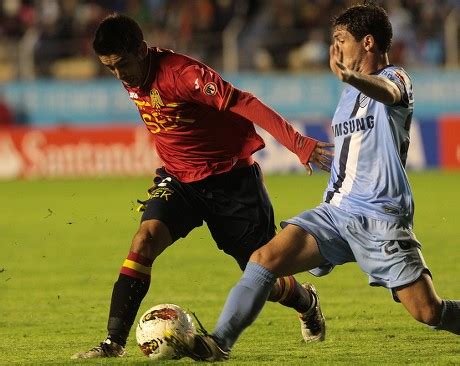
point(63, 115)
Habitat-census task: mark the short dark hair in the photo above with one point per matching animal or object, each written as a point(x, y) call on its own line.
point(117, 34)
point(364, 19)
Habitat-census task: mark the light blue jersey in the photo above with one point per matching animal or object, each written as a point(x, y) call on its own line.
point(368, 210)
point(371, 143)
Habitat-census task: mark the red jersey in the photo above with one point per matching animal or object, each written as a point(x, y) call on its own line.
point(202, 124)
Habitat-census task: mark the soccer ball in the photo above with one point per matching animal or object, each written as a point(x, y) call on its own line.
point(159, 322)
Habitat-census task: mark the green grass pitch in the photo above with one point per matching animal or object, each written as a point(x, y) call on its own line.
point(63, 242)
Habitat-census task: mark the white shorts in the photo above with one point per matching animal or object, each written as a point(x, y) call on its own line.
point(388, 252)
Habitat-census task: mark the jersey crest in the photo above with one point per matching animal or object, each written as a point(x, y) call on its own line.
point(155, 99)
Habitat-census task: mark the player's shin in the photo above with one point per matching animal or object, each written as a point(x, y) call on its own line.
point(128, 292)
point(243, 304)
point(450, 317)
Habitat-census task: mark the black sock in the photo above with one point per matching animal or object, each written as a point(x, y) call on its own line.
point(128, 292)
point(450, 317)
point(127, 295)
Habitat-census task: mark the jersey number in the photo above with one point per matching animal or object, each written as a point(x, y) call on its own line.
point(395, 246)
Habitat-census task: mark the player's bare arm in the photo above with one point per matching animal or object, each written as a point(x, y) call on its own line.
point(375, 87)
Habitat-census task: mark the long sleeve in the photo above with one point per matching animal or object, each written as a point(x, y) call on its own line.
point(251, 108)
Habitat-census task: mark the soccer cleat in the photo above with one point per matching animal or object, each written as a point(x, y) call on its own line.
point(312, 323)
point(200, 347)
point(107, 348)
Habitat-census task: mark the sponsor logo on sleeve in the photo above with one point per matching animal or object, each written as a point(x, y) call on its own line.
point(210, 89)
point(363, 100)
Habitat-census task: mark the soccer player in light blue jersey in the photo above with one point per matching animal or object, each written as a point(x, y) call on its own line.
point(368, 209)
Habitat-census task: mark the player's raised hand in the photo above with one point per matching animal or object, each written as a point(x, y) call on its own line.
point(321, 157)
point(336, 63)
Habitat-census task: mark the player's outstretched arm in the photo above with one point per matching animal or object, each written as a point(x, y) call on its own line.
point(226, 97)
point(307, 149)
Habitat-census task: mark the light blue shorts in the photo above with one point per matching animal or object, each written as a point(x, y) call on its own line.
point(388, 252)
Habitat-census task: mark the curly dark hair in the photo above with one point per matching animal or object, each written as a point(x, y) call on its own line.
point(117, 34)
point(364, 19)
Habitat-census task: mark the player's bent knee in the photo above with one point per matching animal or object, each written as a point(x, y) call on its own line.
point(428, 314)
point(265, 258)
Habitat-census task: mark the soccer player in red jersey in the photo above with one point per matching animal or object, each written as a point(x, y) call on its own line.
point(204, 133)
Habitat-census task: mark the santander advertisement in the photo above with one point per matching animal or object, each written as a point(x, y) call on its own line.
point(74, 151)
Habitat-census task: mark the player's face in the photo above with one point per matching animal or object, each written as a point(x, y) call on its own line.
point(353, 50)
point(128, 68)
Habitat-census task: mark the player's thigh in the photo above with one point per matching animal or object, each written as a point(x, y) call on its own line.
point(325, 224)
point(291, 251)
point(240, 214)
point(174, 204)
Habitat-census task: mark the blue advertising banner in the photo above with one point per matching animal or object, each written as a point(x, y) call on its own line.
point(48, 102)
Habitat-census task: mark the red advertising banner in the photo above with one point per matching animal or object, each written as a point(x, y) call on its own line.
point(449, 141)
point(74, 151)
